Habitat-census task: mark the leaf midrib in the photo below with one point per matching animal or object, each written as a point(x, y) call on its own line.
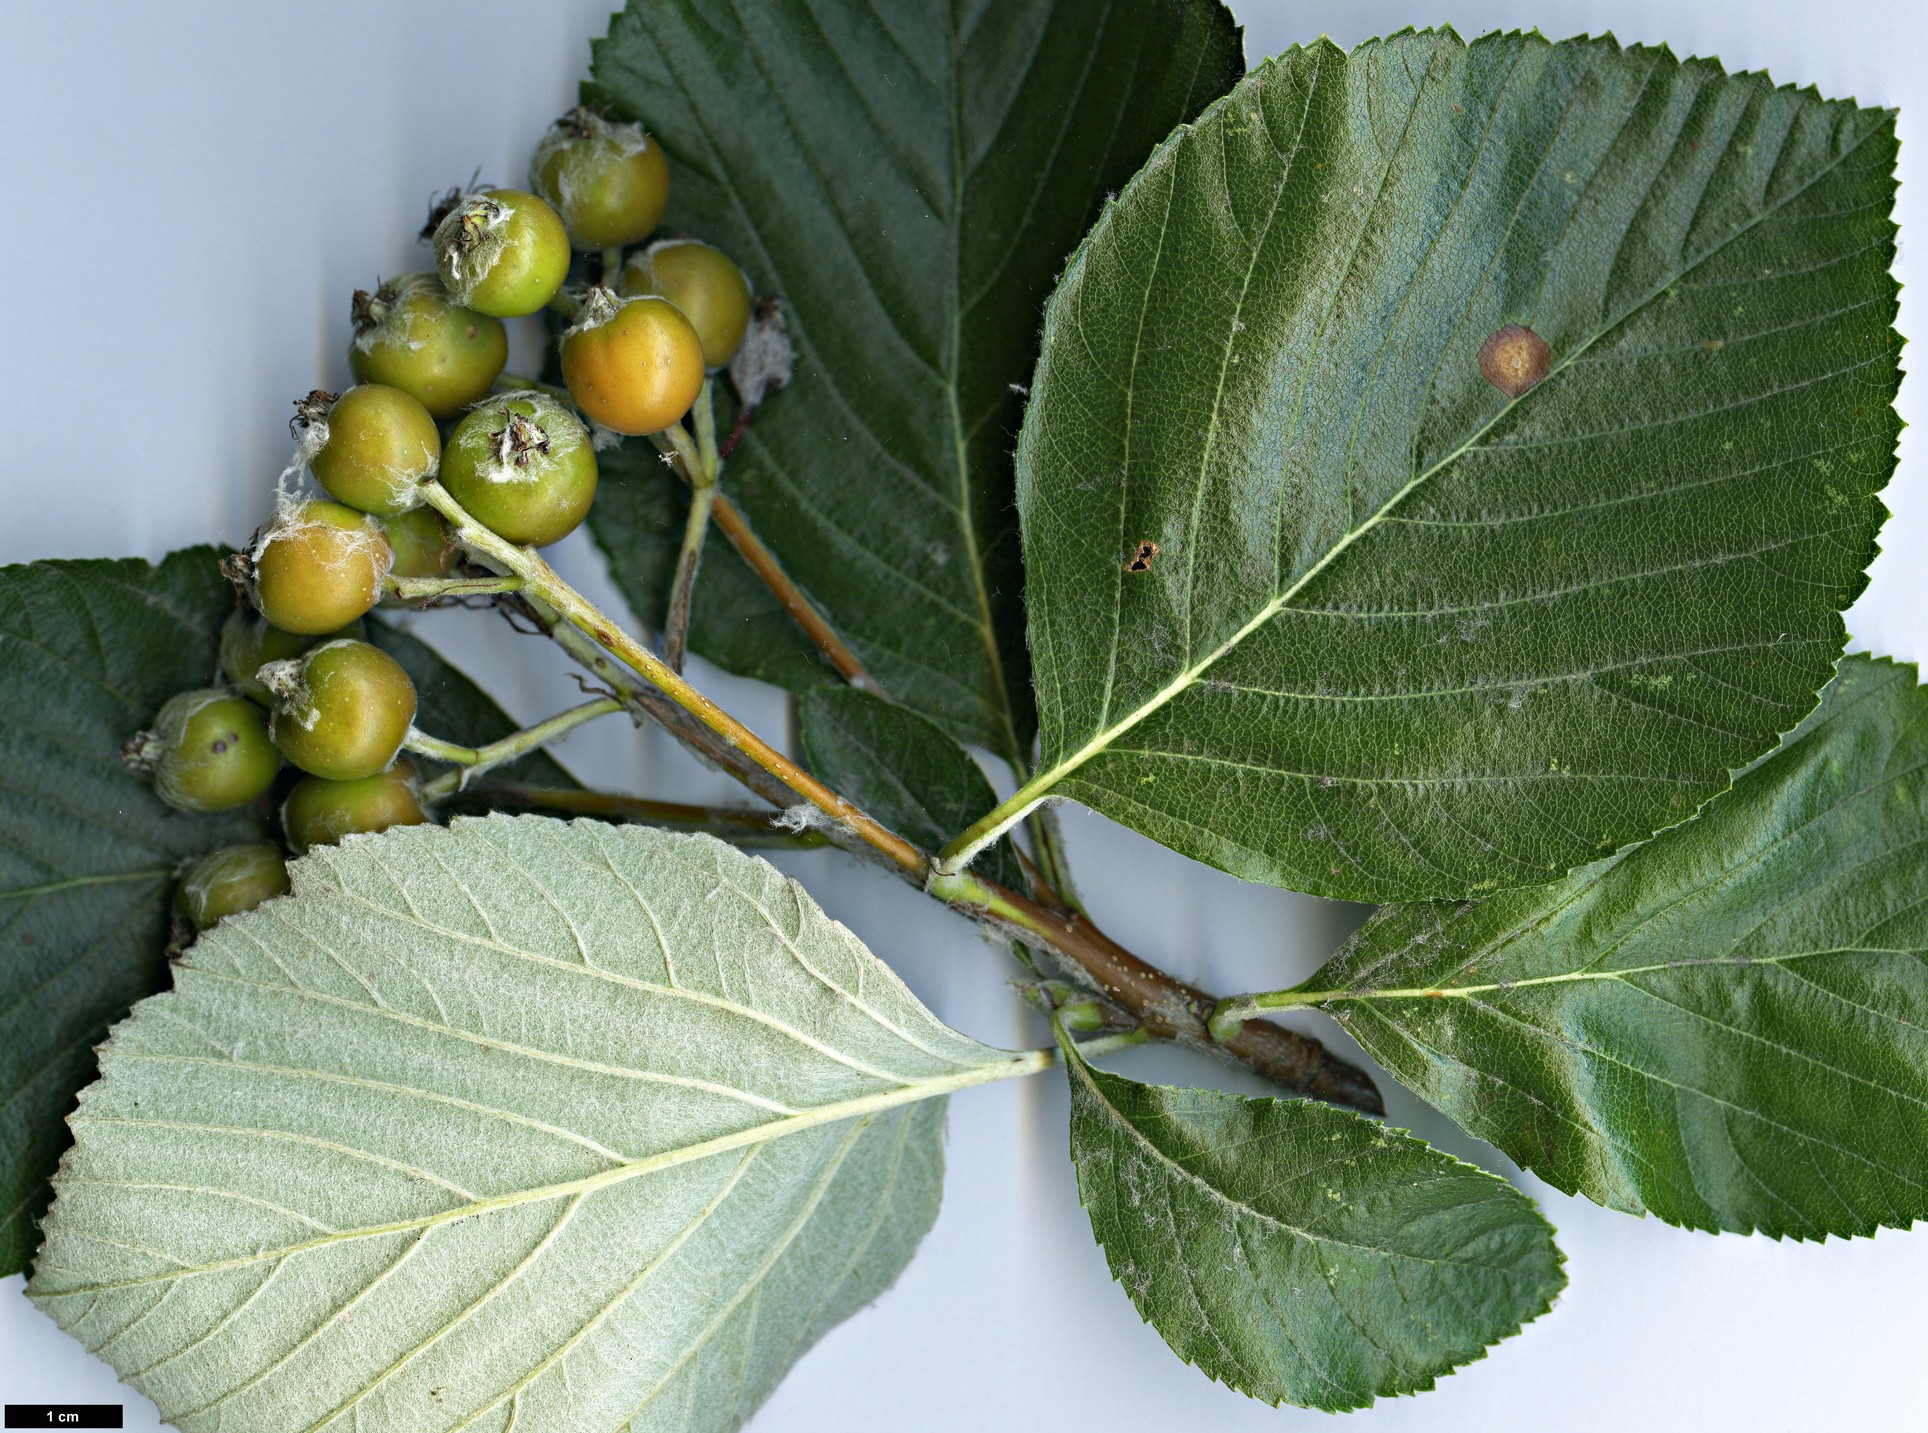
point(1040, 785)
point(1428, 992)
point(1009, 1067)
point(946, 374)
point(960, 453)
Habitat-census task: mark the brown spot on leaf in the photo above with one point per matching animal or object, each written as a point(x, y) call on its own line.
point(1514, 358)
point(1141, 555)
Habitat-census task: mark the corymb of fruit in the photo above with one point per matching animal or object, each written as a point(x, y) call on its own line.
point(298, 679)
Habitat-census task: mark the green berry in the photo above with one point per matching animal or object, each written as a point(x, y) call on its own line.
point(524, 466)
point(319, 812)
point(228, 881)
point(342, 710)
point(609, 182)
point(703, 282)
point(370, 448)
point(633, 365)
point(409, 334)
point(502, 252)
point(317, 567)
point(249, 643)
point(421, 544)
point(207, 751)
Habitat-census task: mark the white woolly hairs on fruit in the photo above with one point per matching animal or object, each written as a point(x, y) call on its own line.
point(562, 431)
point(311, 436)
point(287, 679)
point(629, 139)
point(469, 243)
point(350, 544)
point(399, 320)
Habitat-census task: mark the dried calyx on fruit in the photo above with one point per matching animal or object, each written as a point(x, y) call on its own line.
point(341, 710)
point(249, 642)
point(634, 365)
point(207, 751)
point(319, 812)
point(609, 182)
point(370, 448)
point(228, 881)
point(409, 334)
point(317, 567)
point(502, 252)
point(524, 466)
point(704, 283)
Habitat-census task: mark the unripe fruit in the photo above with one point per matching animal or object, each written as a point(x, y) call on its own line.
point(409, 334)
point(207, 751)
point(228, 881)
point(421, 544)
point(502, 252)
point(249, 643)
point(370, 448)
point(703, 282)
point(633, 365)
point(317, 567)
point(524, 467)
point(609, 182)
point(342, 710)
point(319, 812)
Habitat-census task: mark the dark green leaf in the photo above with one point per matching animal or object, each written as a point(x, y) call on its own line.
point(903, 769)
point(449, 705)
point(88, 653)
point(1727, 1026)
point(1300, 1253)
point(1401, 635)
point(734, 621)
point(908, 178)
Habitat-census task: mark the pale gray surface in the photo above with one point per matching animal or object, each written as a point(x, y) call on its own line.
point(194, 190)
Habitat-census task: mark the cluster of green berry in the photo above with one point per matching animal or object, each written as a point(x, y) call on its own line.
point(300, 682)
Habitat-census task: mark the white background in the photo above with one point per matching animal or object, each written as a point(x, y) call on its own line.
point(192, 189)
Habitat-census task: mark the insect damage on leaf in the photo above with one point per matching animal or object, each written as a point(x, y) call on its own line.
point(1141, 557)
point(1514, 358)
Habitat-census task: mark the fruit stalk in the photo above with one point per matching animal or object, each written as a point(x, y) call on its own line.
point(1166, 1007)
point(471, 761)
point(541, 582)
